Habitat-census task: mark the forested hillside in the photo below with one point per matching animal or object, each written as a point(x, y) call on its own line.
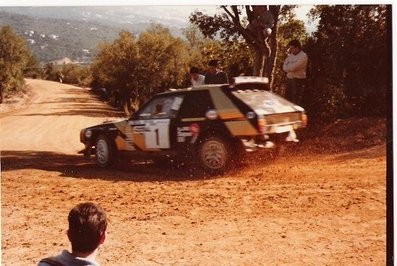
point(74, 32)
point(131, 18)
point(51, 39)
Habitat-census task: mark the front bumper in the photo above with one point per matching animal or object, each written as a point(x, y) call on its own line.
point(269, 141)
point(87, 151)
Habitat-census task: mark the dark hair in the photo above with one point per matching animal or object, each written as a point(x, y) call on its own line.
point(194, 70)
point(213, 62)
point(295, 43)
point(87, 224)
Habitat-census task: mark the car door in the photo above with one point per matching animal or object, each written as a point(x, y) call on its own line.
point(151, 129)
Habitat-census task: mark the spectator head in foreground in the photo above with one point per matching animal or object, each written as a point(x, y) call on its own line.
point(86, 233)
point(87, 227)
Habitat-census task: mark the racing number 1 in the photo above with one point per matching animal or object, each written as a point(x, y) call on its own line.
point(156, 131)
point(157, 135)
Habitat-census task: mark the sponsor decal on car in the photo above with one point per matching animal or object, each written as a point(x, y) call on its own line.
point(182, 133)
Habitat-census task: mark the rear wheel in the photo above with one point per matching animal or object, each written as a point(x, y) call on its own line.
point(214, 154)
point(104, 151)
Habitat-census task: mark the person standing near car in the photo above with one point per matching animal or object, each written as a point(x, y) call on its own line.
point(214, 75)
point(295, 67)
point(195, 77)
point(87, 232)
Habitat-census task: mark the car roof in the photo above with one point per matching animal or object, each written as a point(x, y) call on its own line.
point(240, 82)
point(196, 88)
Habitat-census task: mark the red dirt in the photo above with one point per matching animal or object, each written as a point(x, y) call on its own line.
point(321, 203)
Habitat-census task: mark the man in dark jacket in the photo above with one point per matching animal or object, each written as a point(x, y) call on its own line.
point(214, 75)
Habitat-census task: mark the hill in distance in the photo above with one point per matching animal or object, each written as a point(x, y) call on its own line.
point(75, 32)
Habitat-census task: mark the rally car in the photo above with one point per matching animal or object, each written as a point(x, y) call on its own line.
point(208, 124)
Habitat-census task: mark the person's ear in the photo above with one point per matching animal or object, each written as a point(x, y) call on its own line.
point(103, 237)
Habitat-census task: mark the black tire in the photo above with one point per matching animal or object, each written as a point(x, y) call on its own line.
point(104, 152)
point(214, 154)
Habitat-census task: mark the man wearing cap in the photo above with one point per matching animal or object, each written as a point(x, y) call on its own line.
point(214, 75)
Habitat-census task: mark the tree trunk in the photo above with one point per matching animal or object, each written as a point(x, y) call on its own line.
point(259, 61)
point(260, 44)
point(261, 54)
point(271, 60)
point(126, 109)
point(264, 49)
point(125, 96)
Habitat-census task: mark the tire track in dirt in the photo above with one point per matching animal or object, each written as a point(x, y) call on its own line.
point(53, 119)
point(301, 209)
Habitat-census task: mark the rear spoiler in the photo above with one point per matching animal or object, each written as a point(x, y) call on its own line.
point(250, 83)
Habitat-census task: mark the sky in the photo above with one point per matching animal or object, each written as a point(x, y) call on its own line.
point(181, 2)
point(124, 2)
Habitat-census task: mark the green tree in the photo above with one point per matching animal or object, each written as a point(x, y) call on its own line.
point(164, 61)
point(76, 74)
point(52, 72)
point(234, 56)
point(196, 44)
point(193, 35)
point(32, 68)
point(14, 56)
point(135, 69)
point(116, 68)
point(232, 24)
point(350, 56)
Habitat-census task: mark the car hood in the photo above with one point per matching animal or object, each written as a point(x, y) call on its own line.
point(109, 124)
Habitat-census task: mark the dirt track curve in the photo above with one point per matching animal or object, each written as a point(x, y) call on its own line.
point(306, 209)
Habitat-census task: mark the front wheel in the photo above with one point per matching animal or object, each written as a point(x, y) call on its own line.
point(104, 152)
point(214, 154)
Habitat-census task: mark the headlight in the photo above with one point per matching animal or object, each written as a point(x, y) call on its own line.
point(250, 115)
point(88, 134)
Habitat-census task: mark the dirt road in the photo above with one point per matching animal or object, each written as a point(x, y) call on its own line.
point(307, 209)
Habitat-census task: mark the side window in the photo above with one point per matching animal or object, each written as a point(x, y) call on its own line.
point(161, 107)
point(196, 104)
